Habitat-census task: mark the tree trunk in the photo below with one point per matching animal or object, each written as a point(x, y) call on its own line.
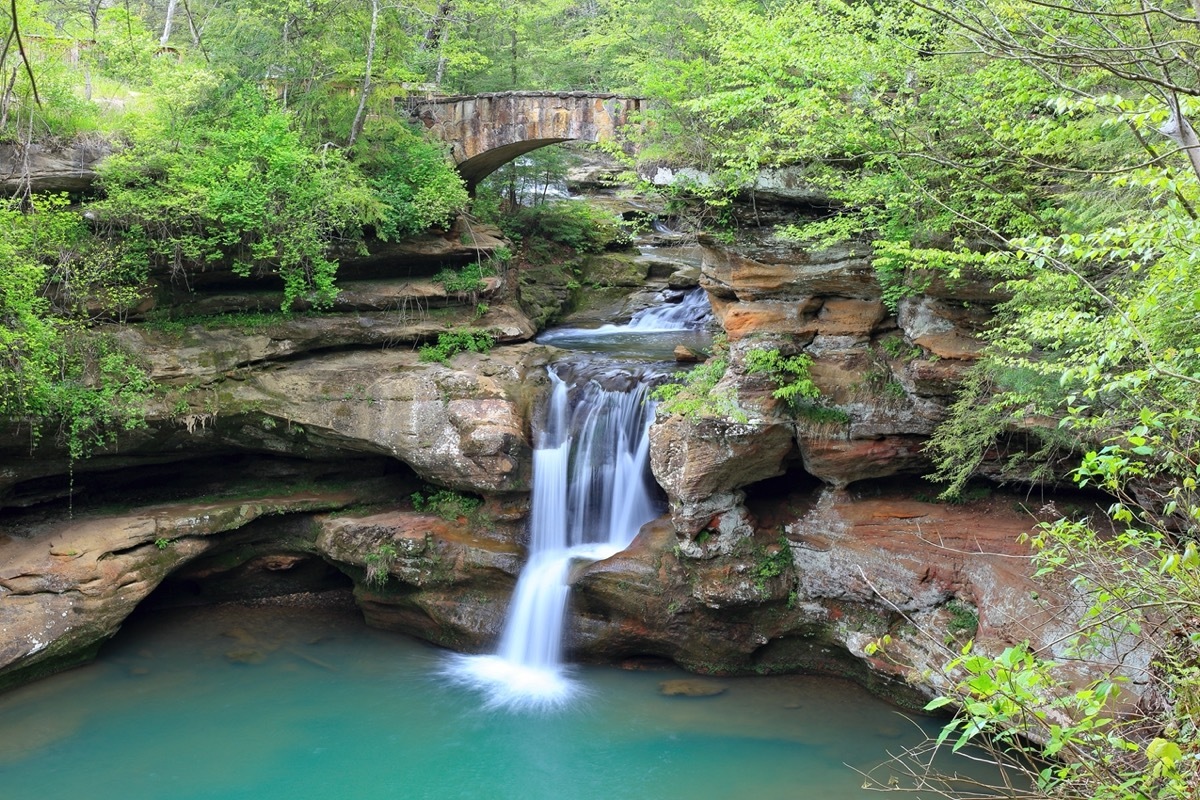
point(166, 34)
point(436, 35)
point(360, 115)
point(1179, 130)
point(513, 62)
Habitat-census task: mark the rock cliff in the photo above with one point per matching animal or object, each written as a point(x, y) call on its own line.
point(297, 453)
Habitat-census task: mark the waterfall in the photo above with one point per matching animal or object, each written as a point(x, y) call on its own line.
point(690, 313)
point(591, 493)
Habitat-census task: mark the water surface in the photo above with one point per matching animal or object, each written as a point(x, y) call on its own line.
point(268, 703)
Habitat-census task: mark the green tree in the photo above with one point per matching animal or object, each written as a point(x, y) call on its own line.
point(59, 371)
point(230, 181)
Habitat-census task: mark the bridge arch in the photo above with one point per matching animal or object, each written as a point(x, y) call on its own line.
point(487, 131)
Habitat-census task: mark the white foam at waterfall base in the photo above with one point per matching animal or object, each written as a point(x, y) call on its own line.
point(527, 673)
point(590, 495)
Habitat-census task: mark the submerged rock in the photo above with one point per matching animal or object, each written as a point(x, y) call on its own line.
point(691, 687)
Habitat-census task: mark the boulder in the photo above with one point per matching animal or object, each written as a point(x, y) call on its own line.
point(945, 329)
point(446, 581)
point(52, 166)
point(700, 462)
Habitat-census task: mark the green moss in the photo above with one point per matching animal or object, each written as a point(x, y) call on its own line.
point(964, 619)
point(771, 564)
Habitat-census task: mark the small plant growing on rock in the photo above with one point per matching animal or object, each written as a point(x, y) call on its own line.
point(895, 390)
point(790, 374)
point(447, 504)
point(452, 343)
point(379, 565)
point(822, 415)
point(963, 619)
point(771, 564)
point(694, 394)
point(467, 280)
point(794, 385)
point(162, 543)
point(892, 345)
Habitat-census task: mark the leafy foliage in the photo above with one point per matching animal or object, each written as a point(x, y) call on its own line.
point(695, 394)
point(771, 563)
point(578, 226)
point(54, 369)
point(412, 177)
point(205, 182)
point(447, 504)
point(451, 343)
point(793, 384)
point(466, 280)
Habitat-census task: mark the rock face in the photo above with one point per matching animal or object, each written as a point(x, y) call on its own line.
point(793, 538)
point(66, 586)
point(847, 570)
point(885, 376)
point(460, 427)
point(702, 463)
point(51, 167)
point(447, 581)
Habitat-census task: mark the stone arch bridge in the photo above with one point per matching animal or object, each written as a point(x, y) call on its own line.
point(486, 131)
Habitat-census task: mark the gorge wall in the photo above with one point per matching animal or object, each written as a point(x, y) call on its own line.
point(283, 454)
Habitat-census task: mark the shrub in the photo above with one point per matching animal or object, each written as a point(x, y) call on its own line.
point(576, 225)
point(55, 369)
point(413, 178)
point(447, 504)
point(209, 180)
point(452, 343)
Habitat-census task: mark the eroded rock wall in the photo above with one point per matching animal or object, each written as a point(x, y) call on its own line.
point(792, 540)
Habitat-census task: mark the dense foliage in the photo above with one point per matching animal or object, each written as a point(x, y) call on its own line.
point(51, 367)
point(230, 182)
